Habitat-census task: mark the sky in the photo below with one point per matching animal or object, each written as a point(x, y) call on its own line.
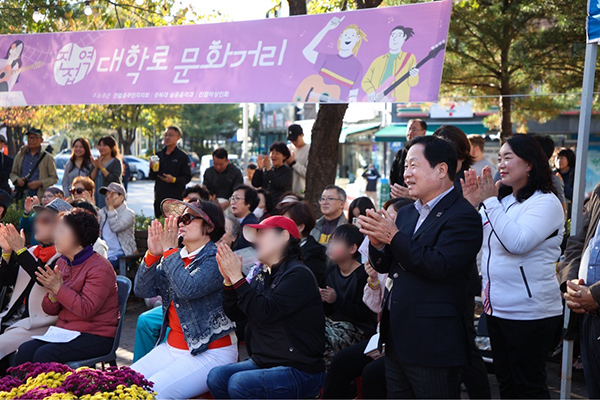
point(234, 10)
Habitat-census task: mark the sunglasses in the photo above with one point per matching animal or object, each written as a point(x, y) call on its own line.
point(77, 190)
point(186, 219)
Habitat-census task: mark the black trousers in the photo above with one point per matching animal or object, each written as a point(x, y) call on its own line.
point(409, 381)
point(520, 349)
point(349, 364)
point(157, 210)
point(475, 376)
point(590, 354)
point(81, 348)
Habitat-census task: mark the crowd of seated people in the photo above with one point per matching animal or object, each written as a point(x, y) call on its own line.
point(321, 300)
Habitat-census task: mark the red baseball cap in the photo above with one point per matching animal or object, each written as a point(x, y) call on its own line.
point(271, 223)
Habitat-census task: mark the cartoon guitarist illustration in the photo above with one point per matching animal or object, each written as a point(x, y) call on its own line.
point(11, 62)
point(338, 74)
point(394, 63)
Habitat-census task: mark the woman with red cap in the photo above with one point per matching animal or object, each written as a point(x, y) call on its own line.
point(285, 313)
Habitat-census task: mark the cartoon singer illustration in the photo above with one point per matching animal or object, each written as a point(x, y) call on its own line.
point(337, 80)
point(386, 69)
point(11, 66)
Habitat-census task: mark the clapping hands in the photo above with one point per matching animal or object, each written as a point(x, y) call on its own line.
point(477, 189)
point(161, 240)
point(230, 265)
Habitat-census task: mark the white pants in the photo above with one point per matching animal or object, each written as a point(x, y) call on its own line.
point(177, 374)
point(14, 336)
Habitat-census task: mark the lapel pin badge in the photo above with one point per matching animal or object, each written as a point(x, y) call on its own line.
point(438, 214)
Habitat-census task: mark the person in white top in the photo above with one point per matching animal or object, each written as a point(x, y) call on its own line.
point(299, 158)
point(523, 224)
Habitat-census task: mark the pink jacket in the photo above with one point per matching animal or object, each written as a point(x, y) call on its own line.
point(88, 299)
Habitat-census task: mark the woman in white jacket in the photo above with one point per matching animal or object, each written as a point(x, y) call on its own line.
point(523, 224)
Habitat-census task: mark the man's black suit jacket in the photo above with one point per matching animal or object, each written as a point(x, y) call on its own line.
point(431, 272)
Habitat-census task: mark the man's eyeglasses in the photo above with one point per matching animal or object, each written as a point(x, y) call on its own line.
point(234, 199)
point(77, 190)
point(186, 219)
point(44, 220)
point(328, 199)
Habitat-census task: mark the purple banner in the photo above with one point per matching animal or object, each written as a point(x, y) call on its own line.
point(392, 54)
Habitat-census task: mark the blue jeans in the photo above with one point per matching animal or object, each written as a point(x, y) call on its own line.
point(246, 380)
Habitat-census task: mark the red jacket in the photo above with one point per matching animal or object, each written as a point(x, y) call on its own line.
point(88, 300)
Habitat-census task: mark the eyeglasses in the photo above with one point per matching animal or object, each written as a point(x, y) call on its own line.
point(234, 199)
point(48, 196)
point(186, 219)
point(328, 199)
point(44, 220)
point(77, 190)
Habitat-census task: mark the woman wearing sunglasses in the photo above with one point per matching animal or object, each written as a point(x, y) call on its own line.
point(83, 190)
point(201, 337)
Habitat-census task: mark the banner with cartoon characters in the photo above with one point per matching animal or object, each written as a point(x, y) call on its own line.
point(392, 54)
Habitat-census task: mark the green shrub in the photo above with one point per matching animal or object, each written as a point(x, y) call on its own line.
point(14, 214)
point(142, 222)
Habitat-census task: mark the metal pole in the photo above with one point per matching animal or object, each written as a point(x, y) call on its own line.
point(245, 127)
point(583, 140)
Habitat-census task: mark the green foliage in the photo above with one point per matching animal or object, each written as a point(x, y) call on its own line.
point(201, 122)
point(516, 46)
point(142, 222)
point(14, 214)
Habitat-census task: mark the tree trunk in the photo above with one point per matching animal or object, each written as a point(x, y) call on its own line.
point(505, 99)
point(505, 115)
point(323, 155)
point(297, 7)
point(126, 137)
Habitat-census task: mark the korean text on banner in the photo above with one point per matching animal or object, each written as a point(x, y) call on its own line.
point(391, 54)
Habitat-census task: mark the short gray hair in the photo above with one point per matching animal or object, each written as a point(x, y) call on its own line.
point(236, 228)
point(341, 192)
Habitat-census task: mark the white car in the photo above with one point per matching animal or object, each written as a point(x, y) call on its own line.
point(141, 166)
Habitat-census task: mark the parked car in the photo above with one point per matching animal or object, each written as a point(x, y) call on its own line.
point(139, 167)
point(194, 163)
point(61, 160)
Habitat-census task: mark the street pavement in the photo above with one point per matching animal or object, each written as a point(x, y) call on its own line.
point(140, 197)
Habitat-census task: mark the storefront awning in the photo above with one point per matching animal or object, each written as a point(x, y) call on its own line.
point(356, 128)
point(397, 133)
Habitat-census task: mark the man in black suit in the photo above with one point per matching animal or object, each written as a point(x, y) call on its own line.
point(428, 253)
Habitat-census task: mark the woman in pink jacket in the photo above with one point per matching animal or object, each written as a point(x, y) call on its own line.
point(82, 292)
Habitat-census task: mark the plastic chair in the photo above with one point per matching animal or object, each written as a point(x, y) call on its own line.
point(124, 286)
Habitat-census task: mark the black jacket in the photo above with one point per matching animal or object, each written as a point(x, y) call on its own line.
point(569, 182)
point(6, 163)
point(222, 184)
point(349, 305)
point(285, 315)
point(431, 273)
point(314, 256)
point(241, 242)
point(397, 170)
point(276, 181)
point(177, 164)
